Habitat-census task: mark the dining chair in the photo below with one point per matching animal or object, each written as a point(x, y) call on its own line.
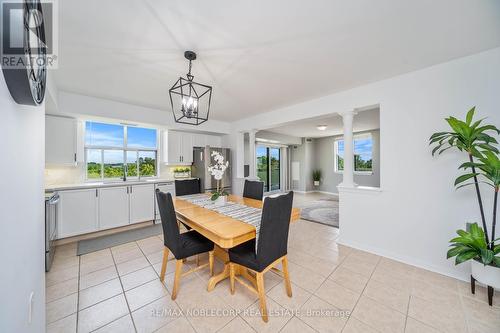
point(253, 189)
point(271, 250)
point(187, 186)
point(182, 245)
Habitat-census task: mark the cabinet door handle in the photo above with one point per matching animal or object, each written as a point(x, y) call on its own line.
point(96, 193)
point(130, 189)
point(127, 189)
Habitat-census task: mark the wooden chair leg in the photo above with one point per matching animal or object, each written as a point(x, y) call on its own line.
point(197, 260)
point(178, 273)
point(262, 295)
point(211, 262)
point(164, 264)
point(288, 285)
point(231, 277)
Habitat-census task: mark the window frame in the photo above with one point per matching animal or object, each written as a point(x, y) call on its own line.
point(335, 148)
point(125, 149)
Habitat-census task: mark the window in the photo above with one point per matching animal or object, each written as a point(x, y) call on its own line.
point(113, 150)
point(363, 154)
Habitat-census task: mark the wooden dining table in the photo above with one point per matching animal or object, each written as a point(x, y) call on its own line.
point(224, 231)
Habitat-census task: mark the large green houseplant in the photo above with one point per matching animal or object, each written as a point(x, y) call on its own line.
point(483, 167)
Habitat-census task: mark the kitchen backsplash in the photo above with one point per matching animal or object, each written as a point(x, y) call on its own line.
point(59, 175)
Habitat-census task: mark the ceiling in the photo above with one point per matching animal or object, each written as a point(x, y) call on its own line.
point(260, 55)
point(363, 121)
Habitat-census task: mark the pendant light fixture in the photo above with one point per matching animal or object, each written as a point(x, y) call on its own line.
point(190, 100)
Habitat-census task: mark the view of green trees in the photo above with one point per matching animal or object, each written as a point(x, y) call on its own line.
point(147, 168)
point(362, 165)
point(359, 163)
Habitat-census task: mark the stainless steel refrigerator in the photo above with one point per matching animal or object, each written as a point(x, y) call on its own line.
point(202, 158)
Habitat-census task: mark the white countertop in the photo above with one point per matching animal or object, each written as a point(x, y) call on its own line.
point(64, 187)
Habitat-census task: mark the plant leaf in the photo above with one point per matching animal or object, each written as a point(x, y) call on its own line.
point(486, 256)
point(467, 255)
point(465, 177)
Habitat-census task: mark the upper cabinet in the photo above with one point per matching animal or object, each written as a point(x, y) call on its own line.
point(63, 138)
point(177, 147)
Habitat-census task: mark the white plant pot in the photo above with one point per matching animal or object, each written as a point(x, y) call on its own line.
point(487, 275)
point(221, 201)
point(316, 183)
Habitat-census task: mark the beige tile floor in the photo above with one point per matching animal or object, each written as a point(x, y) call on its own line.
point(335, 289)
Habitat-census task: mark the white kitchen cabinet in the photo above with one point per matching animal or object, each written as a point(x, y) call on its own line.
point(187, 148)
point(142, 206)
point(60, 141)
point(179, 148)
point(77, 213)
point(214, 141)
point(113, 207)
point(174, 146)
point(199, 140)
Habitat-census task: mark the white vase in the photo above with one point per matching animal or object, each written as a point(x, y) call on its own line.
point(221, 201)
point(487, 275)
point(316, 183)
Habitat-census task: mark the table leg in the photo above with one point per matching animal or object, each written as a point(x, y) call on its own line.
point(221, 254)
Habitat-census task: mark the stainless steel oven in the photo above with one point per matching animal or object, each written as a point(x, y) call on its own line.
point(51, 201)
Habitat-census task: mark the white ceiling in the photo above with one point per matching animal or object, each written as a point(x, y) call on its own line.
point(260, 55)
point(363, 121)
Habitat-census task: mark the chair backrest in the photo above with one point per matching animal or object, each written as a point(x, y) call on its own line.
point(274, 226)
point(186, 187)
point(168, 220)
point(253, 189)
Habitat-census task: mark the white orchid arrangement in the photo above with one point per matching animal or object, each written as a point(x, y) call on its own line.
point(217, 171)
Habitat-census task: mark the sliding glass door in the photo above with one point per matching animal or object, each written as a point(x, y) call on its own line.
point(269, 167)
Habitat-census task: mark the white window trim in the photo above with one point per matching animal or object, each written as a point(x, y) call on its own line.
point(335, 144)
point(125, 149)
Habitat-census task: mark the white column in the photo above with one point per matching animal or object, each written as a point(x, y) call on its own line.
point(253, 156)
point(348, 179)
point(240, 155)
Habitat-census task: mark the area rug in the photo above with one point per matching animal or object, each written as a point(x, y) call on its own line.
point(103, 242)
point(324, 211)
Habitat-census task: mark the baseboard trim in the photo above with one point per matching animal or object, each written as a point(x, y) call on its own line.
point(403, 259)
point(323, 192)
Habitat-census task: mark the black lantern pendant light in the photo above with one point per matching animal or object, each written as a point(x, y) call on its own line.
point(190, 100)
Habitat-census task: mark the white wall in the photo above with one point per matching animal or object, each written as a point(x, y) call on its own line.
point(71, 104)
point(22, 248)
point(418, 210)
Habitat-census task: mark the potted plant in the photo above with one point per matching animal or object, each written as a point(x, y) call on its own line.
point(180, 172)
point(217, 170)
point(476, 244)
point(316, 174)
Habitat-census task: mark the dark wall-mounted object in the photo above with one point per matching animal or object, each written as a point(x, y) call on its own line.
point(246, 170)
point(25, 71)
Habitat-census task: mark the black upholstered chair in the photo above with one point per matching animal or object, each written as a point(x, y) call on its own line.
point(271, 249)
point(253, 189)
point(182, 245)
point(187, 186)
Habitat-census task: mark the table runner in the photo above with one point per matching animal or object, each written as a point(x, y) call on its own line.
point(250, 215)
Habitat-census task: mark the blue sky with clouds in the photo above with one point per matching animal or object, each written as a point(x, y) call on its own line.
point(362, 147)
point(111, 135)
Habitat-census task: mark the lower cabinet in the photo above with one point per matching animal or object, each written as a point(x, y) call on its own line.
point(113, 207)
point(77, 213)
point(142, 207)
point(90, 210)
